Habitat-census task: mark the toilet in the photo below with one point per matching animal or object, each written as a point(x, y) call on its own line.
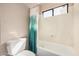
point(16, 47)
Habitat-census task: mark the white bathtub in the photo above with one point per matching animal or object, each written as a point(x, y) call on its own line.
point(55, 49)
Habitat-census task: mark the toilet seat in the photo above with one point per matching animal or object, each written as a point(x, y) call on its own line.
point(16, 47)
point(25, 53)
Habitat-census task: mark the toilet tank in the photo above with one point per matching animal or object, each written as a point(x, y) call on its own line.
point(15, 46)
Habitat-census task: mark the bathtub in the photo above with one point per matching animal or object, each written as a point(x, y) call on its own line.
point(54, 49)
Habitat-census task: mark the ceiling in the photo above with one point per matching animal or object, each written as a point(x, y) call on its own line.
point(31, 5)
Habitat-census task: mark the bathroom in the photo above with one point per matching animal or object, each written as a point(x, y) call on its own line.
point(56, 35)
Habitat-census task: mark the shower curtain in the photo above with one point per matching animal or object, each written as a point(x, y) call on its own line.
point(32, 34)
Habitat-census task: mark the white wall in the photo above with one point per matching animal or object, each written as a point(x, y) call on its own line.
point(57, 29)
point(62, 29)
point(13, 22)
point(76, 27)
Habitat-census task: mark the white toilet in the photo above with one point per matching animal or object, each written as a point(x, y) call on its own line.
point(16, 48)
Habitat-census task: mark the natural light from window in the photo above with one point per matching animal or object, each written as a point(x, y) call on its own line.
point(60, 10)
point(56, 11)
point(47, 13)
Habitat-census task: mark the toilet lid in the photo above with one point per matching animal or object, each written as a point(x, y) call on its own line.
point(25, 53)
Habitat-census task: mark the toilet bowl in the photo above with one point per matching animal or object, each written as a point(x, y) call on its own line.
point(16, 47)
point(25, 53)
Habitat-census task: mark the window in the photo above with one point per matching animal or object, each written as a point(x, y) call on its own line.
point(56, 11)
point(47, 13)
point(60, 10)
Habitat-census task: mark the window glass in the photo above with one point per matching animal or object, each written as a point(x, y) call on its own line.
point(60, 10)
point(56, 11)
point(47, 13)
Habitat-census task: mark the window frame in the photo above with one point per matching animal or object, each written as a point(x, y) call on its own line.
point(47, 11)
point(56, 7)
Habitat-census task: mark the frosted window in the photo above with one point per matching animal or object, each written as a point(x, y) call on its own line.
point(56, 11)
point(60, 10)
point(47, 13)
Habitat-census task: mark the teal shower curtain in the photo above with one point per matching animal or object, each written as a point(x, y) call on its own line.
point(32, 34)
